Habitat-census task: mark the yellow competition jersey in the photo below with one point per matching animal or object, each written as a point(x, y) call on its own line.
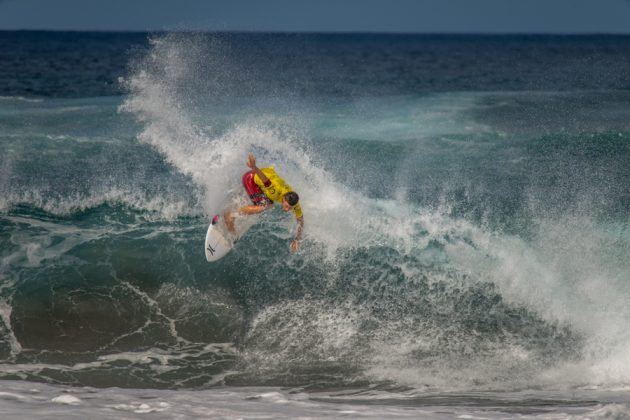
point(277, 189)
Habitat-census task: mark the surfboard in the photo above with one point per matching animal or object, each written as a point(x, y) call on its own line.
point(218, 241)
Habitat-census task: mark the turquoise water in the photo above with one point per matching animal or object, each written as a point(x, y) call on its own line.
point(466, 205)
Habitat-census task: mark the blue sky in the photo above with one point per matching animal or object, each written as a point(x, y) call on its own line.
point(421, 16)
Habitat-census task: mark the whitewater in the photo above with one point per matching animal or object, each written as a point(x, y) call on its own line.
point(466, 249)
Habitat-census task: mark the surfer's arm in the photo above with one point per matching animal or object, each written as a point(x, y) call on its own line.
point(300, 228)
point(295, 245)
point(251, 162)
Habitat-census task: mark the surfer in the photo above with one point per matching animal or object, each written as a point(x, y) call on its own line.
point(265, 187)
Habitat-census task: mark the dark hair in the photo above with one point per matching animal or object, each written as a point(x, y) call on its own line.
point(292, 198)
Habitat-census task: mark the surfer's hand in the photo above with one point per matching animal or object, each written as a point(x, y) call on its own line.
point(295, 246)
point(251, 161)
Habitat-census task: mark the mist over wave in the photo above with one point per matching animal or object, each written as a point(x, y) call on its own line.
point(454, 239)
point(423, 288)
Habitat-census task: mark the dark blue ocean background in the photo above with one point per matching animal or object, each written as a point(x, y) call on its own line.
point(466, 202)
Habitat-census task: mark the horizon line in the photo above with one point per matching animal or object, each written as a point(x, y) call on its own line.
point(285, 32)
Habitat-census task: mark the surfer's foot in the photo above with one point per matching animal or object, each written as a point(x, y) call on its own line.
point(229, 220)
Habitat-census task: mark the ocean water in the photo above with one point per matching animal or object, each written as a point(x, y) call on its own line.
point(466, 250)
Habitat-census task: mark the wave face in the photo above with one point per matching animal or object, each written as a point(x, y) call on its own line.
point(464, 230)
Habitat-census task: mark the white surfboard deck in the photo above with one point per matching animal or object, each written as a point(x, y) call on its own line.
point(219, 241)
point(217, 245)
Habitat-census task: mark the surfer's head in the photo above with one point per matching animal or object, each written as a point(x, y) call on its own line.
point(289, 200)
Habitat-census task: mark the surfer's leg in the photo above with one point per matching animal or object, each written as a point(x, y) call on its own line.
point(260, 201)
point(253, 209)
point(229, 220)
point(246, 210)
